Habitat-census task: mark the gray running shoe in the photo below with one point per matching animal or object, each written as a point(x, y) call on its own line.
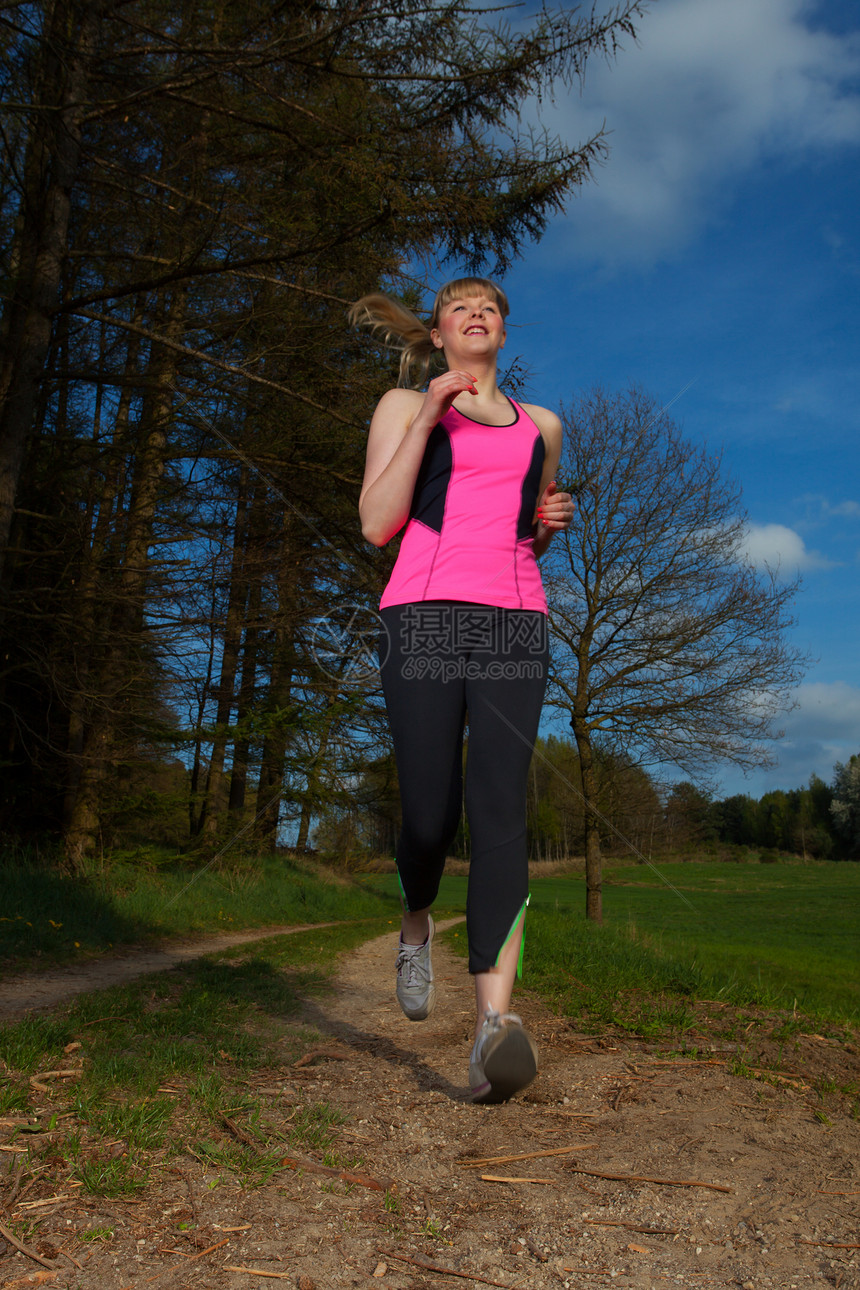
point(416, 992)
point(504, 1058)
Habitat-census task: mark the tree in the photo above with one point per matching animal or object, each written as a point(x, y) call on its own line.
point(845, 807)
point(734, 818)
point(689, 816)
point(666, 642)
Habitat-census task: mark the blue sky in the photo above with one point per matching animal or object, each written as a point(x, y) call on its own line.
point(720, 244)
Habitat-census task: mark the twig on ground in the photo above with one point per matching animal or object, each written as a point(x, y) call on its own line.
point(442, 1271)
point(33, 1180)
point(322, 1054)
point(177, 1266)
point(25, 1249)
point(32, 1279)
point(690, 1061)
point(662, 1182)
point(97, 1021)
point(195, 1211)
point(71, 1259)
point(833, 1245)
point(526, 1155)
point(36, 1080)
point(362, 1180)
point(501, 1179)
point(19, 1174)
point(570, 1115)
point(537, 1251)
point(247, 1139)
point(633, 1227)
point(793, 1081)
point(258, 1272)
point(38, 1204)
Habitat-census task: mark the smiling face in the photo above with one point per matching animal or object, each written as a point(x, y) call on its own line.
point(469, 324)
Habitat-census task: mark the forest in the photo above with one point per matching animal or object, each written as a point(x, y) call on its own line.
point(191, 198)
point(639, 818)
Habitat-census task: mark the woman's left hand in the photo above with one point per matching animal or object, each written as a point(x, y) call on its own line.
point(555, 510)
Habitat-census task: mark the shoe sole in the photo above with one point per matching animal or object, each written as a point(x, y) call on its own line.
point(422, 1013)
point(510, 1067)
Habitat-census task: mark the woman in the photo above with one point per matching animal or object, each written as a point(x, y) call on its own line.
point(470, 473)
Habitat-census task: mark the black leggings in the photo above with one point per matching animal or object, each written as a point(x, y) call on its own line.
point(438, 661)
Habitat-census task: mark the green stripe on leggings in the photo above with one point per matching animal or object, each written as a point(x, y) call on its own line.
point(521, 914)
point(403, 899)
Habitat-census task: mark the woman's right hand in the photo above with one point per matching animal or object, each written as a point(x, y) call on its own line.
point(441, 393)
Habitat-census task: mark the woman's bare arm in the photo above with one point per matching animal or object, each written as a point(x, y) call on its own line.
point(401, 426)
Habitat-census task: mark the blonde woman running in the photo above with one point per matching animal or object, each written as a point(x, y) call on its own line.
point(470, 474)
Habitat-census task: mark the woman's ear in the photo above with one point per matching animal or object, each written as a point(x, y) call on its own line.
point(436, 338)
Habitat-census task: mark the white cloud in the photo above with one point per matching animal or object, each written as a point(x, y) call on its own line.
point(822, 730)
point(713, 88)
point(780, 548)
point(827, 711)
point(820, 508)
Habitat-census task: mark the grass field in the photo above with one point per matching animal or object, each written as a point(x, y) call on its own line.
point(778, 936)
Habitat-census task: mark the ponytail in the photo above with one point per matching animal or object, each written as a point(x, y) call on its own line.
point(400, 329)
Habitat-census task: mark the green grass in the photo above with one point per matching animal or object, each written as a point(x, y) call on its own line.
point(786, 933)
point(51, 918)
point(168, 1060)
point(768, 936)
point(450, 901)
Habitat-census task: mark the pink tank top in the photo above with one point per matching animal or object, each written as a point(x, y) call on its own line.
point(469, 534)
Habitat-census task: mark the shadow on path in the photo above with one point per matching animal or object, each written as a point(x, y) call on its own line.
point(427, 1078)
point(362, 1012)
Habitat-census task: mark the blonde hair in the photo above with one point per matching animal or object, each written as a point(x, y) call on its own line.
point(400, 329)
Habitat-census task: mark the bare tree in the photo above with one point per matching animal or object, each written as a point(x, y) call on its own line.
point(667, 643)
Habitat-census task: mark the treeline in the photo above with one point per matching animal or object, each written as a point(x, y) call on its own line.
point(818, 822)
point(637, 818)
point(190, 198)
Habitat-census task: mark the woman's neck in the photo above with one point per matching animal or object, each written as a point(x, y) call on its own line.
point(489, 405)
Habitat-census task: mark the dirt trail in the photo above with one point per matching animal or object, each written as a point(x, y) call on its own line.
point(765, 1194)
point(27, 991)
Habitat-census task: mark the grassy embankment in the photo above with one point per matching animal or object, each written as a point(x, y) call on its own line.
point(191, 1063)
point(46, 917)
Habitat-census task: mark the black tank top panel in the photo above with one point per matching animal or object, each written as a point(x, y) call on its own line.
point(434, 476)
